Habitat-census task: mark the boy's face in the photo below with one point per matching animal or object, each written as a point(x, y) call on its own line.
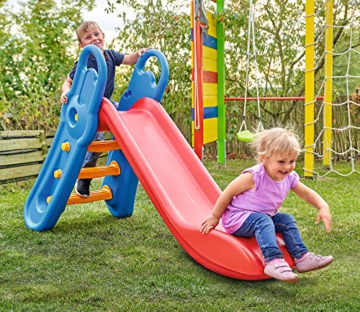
point(93, 35)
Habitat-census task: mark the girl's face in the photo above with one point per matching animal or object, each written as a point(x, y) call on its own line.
point(93, 35)
point(278, 166)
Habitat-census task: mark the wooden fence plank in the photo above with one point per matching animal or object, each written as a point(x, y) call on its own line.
point(49, 141)
point(20, 134)
point(22, 172)
point(16, 159)
point(20, 144)
point(49, 138)
point(22, 153)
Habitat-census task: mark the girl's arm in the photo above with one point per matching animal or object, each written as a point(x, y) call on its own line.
point(241, 184)
point(317, 201)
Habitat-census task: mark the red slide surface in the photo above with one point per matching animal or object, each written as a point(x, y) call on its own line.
point(180, 188)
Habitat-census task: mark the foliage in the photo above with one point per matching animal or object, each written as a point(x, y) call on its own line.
point(164, 25)
point(35, 59)
point(92, 261)
point(279, 32)
point(29, 113)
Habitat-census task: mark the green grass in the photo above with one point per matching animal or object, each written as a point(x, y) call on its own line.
point(92, 261)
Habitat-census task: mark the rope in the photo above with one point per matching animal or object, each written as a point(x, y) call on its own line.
point(345, 147)
point(251, 45)
point(201, 18)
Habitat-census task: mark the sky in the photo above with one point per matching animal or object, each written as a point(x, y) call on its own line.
point(107, 22)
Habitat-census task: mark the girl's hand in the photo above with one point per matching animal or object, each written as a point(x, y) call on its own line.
point(209, 224)
point(324, 215)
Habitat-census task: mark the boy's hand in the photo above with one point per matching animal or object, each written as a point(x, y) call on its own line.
point(209, 224)
point(63, 98)
point(324, 215)
point(142, 51)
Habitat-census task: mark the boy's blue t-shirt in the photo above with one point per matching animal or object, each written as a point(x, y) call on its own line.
point(112, 59)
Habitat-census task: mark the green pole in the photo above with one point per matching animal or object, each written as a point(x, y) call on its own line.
point(221, 85)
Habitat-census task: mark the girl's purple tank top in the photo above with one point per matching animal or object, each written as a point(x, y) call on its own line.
point(266, 197)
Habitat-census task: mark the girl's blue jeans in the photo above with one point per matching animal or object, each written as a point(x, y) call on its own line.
point(264, 228)
point(92, 157)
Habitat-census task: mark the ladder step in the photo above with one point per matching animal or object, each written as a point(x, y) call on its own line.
point(103, 146)
point(103, 194)
point(113, 169)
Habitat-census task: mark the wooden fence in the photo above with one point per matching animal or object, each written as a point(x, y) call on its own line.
point(22, 154)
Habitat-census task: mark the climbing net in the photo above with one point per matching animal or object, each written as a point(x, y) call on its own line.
point(336, 146)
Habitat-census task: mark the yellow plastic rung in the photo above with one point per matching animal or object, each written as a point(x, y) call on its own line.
point(103, 146)
point(113, 169)
point(57, 174)
point(103, 194)
point(66, 147)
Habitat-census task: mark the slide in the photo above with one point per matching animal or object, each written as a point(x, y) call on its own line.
point(153, 148)
point(180, 188)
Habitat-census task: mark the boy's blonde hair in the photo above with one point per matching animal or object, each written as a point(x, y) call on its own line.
point(84, 27)
point(275, 141)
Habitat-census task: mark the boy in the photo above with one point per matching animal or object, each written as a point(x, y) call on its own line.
point(87, 33)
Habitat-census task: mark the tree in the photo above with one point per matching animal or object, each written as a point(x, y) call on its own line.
point(164, 25)
point(35, 58)
point(280, 53)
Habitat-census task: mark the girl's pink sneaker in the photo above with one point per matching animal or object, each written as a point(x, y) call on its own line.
point(279, 269)
point(311, 262)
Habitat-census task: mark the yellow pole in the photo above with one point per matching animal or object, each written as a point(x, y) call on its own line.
point(328, 83)
point(309, 90)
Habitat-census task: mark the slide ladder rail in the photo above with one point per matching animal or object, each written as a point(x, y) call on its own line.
point(143, 83)
point(77, 128)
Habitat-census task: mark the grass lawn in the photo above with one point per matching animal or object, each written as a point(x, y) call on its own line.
point(92, 261)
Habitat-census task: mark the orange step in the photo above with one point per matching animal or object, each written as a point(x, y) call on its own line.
point(103, 194)
point(97, 172)
point(103, 146)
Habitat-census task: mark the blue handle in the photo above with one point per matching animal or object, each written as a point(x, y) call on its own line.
point(143, 83)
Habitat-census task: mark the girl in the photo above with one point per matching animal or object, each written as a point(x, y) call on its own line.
point(249, 206)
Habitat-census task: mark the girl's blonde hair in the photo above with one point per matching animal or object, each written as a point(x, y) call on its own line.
point(84, 27)
point(275, 141)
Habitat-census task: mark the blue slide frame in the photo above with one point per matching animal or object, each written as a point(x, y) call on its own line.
point(78, 125)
